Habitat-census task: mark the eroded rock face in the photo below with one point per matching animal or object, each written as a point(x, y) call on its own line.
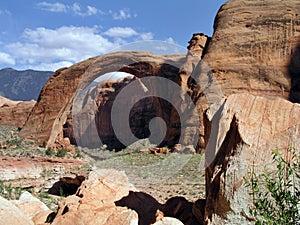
point(14, 113)
point(51, 118)
point(10, 214)
point(18, 168)
point(196, 49)
point(94, 201)
point(254, 49)
point(244, 132)
point(33, 208)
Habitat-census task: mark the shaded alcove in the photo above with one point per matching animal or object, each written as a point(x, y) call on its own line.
point(294, 74)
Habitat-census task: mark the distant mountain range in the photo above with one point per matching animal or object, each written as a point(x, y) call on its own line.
point(22, 85)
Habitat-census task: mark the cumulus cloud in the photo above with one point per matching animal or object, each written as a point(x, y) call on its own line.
point(124, 32)
point(67, 44)
point(6, 59)
point(75, 8)
point(50, 49)
point(121, 33)
point(122, 14)
point(147, 36)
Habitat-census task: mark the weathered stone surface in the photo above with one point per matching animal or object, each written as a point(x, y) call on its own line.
point(112, 184)
point(32, 206)
point(168, 221)
point(106, 215)
point(196, 49)
point(244, 132)
point(10, 214)
point(7, 102)
point(14, 113)
point(14, 168)
point(254, 49)
point(94, 201)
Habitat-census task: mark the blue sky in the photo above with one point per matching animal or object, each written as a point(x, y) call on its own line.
point(47, 35)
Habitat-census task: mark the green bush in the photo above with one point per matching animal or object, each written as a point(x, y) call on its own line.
point(61, 152)
point(49, 152)
point(276, 194)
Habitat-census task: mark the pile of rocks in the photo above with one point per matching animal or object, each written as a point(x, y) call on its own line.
point(105, 197)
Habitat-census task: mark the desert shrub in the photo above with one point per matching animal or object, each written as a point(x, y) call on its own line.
point(61, 152)
point(49, 151)
point(276, 193)
point(9, 192)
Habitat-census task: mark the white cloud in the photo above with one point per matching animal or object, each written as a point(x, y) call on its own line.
point(48, 66)
point(52, 7)
point(75, 8)
point(91, 10)
point(50, 49)
point(122, 14)
point(123, 32)
point(69, 44)
point(6, 59)
point(147, 36)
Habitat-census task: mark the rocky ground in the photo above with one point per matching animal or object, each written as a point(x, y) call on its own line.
point(163, 175)
point(25, 166)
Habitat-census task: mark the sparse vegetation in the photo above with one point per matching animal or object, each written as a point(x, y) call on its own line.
point(61, 152)
point(276, 194)
point(9, 192)
point(158, 175)
point(50, 200)
point(187, 181)
point(49, 152)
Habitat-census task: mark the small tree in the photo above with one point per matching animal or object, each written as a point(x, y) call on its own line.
point(276, 194)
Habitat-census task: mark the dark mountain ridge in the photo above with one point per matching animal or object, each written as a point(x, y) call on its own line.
point(22, 85)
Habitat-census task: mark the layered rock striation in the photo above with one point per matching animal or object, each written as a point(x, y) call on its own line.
point(14, 113)
point(254, 49)
point(244, 132)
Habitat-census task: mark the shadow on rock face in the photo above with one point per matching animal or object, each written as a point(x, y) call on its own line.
point(66, 186)
point(144, 204)
point(294, 74)
point(178, 207)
